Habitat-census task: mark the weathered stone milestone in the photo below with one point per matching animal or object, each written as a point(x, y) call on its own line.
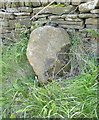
point(47, 52)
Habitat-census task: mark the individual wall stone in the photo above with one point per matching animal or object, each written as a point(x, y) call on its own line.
point(4, 22)
point(39, 23)
point(44, 2)
point(15, 4)
point(54, 10)
point(59, 21)
point(11, 10)
point(72, 16)
point(25, 9)
point(12, 23)
point(36, 3)
point(9, 36)
point(8, 4)
point(92, 21)
point(55, 17)
point(41, 16)
point(41, 19)
point(77, 2)
point(1, 5)
point(86, 7)
point(22, 14)
point(4, 30)
point(26, 22)
point(21, 4)
point(7, 42)
point(88, 15)
point(67, 2)
point(6, 15)
point(61, 1)
point(73, 20)
point(28, 4)
point(22, 17)
point(95, 11)
point(71, 26)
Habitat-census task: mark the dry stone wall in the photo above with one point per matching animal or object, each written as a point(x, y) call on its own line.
point(72, 15)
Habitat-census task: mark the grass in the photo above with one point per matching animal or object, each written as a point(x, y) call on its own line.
point(23, 98)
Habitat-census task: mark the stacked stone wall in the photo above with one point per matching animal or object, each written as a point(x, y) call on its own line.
point(72, 15)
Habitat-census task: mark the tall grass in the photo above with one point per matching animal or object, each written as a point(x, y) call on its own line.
point(23, 98)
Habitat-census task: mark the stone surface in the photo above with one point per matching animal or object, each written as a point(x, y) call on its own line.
point(60, 20)
point(76, 2)
point(22, 17)
point(8, 4)
point(28, 4)
point(10, 36)
point(21, 14)
point(1, 4)
point(42, 16)
point(92, 21)
point(72, 26)
point(5, 30)
point(12, 23)
point(36, 3)
point(86, 7)
point(67, 2)
point(39, 23)
point(4, 23)
point(14, 4)
point(42, 19)
point(88, 15)
point(26, 22)
point(11, 10)
point(73, 16)
point(21, 4)
point(55, 9)
point(67, 22)
point(25, 9)
point(55, 17)
point(44, 51)
point(6, 15)
point(60, 1)
point(73, 20)
point(44, 1)
point(39, 16)
point(95, 11)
